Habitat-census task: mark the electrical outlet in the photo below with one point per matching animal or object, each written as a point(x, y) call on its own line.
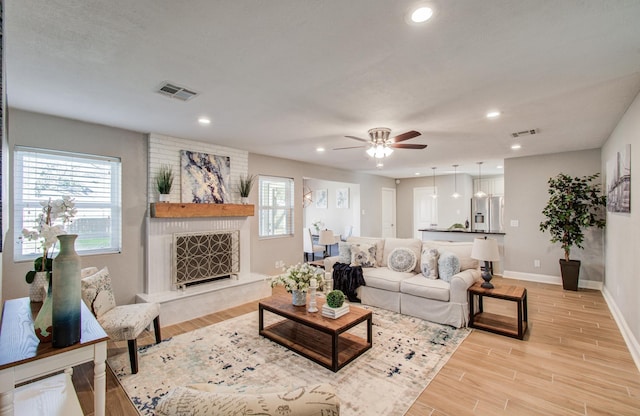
point(536, 263)
point(515, 223)
point(279, 264)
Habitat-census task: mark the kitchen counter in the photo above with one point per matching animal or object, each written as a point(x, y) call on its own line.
point(445, 230)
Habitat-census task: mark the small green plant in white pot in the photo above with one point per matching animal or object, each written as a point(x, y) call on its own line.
point(164, 182)
point(335, 298)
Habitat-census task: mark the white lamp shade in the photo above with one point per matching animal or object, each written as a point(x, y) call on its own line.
point(326, 238)
point(485, 249)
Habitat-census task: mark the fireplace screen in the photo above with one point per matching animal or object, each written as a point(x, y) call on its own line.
point(205, 256)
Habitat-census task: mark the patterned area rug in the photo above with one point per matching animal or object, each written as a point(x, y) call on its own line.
point(406, 354)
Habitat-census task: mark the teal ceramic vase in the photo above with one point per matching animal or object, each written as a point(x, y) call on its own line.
point(66, 293)
point(42, 325)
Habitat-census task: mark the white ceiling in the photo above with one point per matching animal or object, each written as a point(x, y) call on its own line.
point(282, 77)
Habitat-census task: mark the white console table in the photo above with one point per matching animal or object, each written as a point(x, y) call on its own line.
point(23, 358)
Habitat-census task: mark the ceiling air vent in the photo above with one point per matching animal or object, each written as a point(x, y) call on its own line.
point(524, 133)
point(176, 91)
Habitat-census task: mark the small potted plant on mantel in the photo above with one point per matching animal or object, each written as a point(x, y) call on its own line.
point(164, 182)
point(244, 187)
point(575, 204)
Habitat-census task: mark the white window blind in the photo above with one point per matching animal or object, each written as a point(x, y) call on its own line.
point(93, 181)
point(275, 206)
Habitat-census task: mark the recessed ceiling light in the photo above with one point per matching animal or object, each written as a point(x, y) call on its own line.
point(205, 121)
point(493, 114)
point(417, 173)
point(320, 149)
point(421, 14)
point(499, 167)
point(515, 146)
point(379, 165)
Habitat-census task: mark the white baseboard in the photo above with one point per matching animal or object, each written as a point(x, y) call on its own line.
point(629, 338)
point(545, 278)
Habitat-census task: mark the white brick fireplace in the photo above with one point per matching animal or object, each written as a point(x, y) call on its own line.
point(180, 304)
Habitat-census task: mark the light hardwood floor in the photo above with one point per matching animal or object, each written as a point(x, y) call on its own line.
point(573, 361)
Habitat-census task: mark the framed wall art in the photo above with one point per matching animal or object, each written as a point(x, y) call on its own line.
point(205, 177)
point(321, 198)
point(342, 198)
point(619, 181)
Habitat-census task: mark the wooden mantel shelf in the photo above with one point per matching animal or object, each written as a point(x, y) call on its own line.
point(186, 210)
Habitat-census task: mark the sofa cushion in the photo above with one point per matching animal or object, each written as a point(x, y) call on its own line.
point(429, 263)
point(413, 244)
point(363, 255)
point(402, 260)
point(426, 288)
point(448, 265)
point(378, 242)
point(384, 278)
point(461, 249)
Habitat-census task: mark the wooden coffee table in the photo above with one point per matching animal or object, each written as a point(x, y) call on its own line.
point(318, 338)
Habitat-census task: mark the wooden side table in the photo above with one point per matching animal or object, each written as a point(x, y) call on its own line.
point(23, 358)
point(499, 324)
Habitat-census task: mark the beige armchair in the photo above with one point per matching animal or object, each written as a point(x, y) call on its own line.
point(121, 323)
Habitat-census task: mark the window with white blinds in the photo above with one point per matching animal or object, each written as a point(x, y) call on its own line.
point(275, 206)
point(94, 182)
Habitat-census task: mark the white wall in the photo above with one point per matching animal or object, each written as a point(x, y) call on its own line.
point(335, 219)
point(621, 284)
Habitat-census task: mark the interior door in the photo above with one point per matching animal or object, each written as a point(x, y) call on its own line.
point(388, 213)
point(425, 210)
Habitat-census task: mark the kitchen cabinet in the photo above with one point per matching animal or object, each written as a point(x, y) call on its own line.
point(490, 186)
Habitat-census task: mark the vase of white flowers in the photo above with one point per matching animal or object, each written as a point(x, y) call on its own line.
point(296, 280)
point(50, 223)
point(317, 225)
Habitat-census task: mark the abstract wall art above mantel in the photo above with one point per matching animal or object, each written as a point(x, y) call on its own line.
point(205, 178)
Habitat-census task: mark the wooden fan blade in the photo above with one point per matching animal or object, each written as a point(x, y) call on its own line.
point(406, 136)
point(351, 147)
point(407, 146)
point(359, 139)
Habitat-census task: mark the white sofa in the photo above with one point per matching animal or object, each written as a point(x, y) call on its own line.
point(411, 293)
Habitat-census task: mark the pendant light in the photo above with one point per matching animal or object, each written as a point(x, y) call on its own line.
point(455, 182)
point(480, 194)
point(435, 194)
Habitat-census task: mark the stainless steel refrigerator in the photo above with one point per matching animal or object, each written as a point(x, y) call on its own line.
point(486, 214)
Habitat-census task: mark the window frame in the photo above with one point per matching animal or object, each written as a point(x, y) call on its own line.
point(112, 166)
point(270, 211)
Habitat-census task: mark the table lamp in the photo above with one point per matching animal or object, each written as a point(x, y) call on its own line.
point(485, 249)
point(326, 239)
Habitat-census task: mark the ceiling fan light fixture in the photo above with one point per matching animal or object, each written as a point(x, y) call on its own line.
point(421, 14)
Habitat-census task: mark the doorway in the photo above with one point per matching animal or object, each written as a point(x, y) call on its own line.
point(425, 210)
point(388, 213)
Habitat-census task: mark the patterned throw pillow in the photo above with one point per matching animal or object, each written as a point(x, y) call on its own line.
point(448, 266)
point(429, 263)
point(363, 255)
point(344, 252)
point(402, 260)
point(97, 293)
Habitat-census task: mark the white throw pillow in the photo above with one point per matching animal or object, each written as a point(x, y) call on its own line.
point(429, 263)
point(448, 266)
point(402, 260)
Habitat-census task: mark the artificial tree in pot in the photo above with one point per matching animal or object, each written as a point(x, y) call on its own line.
point(575, 204)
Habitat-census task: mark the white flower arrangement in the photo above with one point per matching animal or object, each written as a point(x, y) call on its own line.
point(318, 225)
point(298, 277)
point(49, 225)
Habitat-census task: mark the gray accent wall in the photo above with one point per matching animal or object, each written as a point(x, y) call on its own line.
point(526, 194)
point(44, 131)
point(622, 235)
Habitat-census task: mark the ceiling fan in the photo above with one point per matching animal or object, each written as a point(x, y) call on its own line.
point(381, 145)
